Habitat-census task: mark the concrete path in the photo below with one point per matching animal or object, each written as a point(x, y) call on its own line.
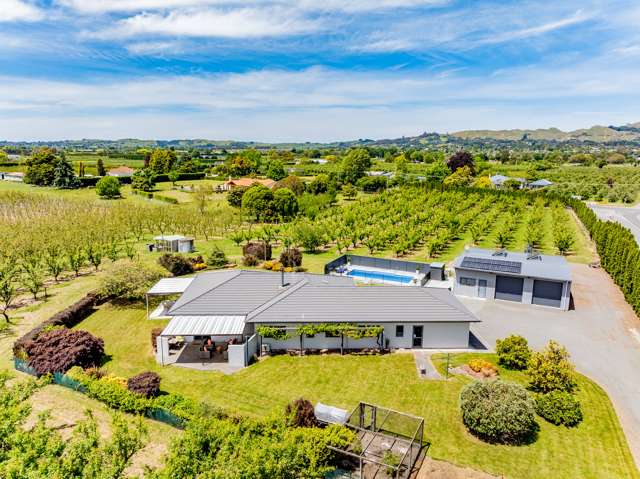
point(602, 335)
point(628, 216)
point(425, 367)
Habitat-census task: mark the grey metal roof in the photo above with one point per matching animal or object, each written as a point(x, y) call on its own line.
point(171, 238)
point(204, 326)
point(541, 182)
point(540, 266)
point(170, 286)
point(362, 304)
point(240, 291)
point(313, 298)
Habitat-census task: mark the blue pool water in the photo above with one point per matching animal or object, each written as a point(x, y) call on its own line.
point(374, 275)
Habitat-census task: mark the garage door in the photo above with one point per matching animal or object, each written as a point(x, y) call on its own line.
point(509, 288)
point(547, 293)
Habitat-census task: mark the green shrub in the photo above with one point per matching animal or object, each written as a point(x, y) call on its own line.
point(129, 280)
point(108, 187)
point(551, 369)
point(513, 352)
point(559, 407)
point(498, 411)
point(217, 259)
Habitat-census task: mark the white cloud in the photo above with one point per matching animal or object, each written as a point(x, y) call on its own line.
point(19, 11)
point(318, 103)
point(235, 23)
point(577, 17)
point(105, 6)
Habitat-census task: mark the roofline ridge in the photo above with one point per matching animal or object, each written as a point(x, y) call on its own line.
point(277, 298)
point(237, 273)
point(464, 310)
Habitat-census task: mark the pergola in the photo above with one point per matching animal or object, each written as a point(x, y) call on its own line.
point(167, 287)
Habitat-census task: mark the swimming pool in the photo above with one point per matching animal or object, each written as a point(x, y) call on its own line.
point(377, 276)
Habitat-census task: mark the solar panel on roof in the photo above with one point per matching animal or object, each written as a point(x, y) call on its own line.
point(497, 265)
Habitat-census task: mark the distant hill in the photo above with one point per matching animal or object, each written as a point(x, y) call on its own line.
point(608, 136)
point(597, 134)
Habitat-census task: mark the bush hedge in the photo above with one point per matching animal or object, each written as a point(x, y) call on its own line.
point(559, 407)
point(513, 352)
point(498, 411)
point(58, 350)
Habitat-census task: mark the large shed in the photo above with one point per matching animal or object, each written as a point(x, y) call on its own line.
point(528, 278)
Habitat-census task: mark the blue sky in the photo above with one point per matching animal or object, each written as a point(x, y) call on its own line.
point(311, 70)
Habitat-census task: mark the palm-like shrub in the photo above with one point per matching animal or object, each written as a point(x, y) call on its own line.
point(513, 352)
point(59, 350)
point(559, 407)
point(146, 384)
point(498, 411)
point(291, 258)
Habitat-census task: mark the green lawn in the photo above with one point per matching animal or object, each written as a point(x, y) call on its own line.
point(595, 449)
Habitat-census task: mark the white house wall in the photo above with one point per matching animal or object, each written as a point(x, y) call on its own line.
point(444, 335)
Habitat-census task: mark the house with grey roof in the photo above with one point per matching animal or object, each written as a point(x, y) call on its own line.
point(227, 308)
point(528, 278)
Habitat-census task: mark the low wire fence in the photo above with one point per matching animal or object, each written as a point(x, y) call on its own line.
point(157, 414)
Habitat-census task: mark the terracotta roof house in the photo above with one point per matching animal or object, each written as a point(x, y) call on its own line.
point(121, 171)
point(246, 182)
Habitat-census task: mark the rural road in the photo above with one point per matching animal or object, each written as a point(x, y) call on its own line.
point(628, 216)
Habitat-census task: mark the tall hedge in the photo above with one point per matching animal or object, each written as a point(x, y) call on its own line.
point(618, 250)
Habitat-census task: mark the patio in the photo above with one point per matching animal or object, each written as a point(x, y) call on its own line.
point(190, 356)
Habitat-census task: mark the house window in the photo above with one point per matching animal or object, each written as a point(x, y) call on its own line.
point(467, 281)
point(399, 331)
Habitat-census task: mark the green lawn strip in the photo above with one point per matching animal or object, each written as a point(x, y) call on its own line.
point(596, 448)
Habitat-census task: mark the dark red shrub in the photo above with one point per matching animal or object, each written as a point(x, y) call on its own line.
point(176, 264)
point(146, 384)
point(61, 349)
point(260, 250)
point(301, 413)
point(290, 258)
point(250, 260)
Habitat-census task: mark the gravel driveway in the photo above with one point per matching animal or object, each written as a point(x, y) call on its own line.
point(602, 334)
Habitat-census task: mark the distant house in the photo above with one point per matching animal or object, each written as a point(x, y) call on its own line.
point(12, 157)
point(121, 171)
point(499, 180)
point(387, 174)
point(540, 184)
point(246, 182)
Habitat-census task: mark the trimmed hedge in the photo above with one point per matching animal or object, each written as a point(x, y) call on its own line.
point(155, 196)
point(68, 317)
point(618, 250)
point(86, 181)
